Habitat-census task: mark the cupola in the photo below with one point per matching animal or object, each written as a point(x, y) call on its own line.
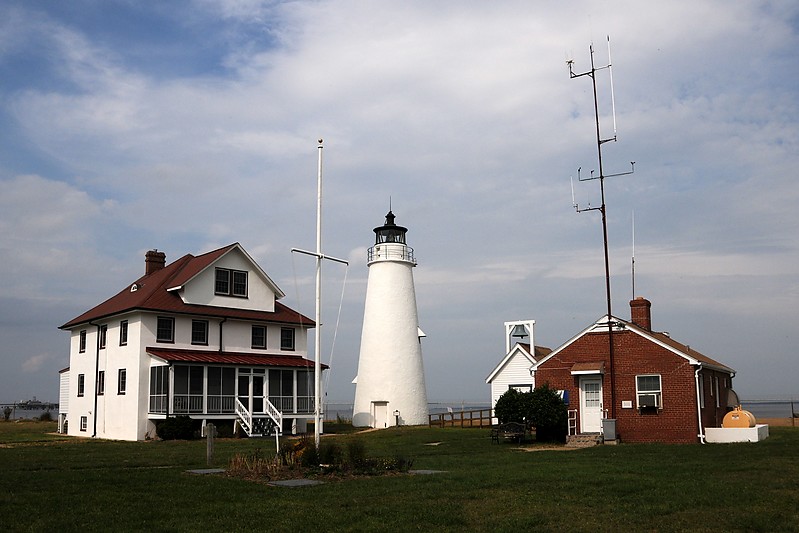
point(390, 232)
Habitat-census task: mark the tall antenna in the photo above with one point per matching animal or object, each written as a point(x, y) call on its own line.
point(633, 259)
point(602, 208)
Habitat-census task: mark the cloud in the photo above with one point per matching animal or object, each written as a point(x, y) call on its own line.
point(35, 363)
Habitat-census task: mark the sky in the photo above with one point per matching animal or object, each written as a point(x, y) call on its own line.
point(192, 124)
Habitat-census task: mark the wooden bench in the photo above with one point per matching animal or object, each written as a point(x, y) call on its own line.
point(509, 431)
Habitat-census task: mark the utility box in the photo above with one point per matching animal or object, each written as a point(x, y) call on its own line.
point(609, 429)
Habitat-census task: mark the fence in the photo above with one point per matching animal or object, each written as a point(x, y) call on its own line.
point(475, 418)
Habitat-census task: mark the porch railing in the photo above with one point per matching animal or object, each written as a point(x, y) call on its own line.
point(188, 403)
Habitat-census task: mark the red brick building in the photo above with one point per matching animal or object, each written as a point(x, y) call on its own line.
point(655, 388)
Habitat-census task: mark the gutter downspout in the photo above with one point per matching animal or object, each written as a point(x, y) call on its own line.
point(220, 333)
point(701, 434)
point(96, 372)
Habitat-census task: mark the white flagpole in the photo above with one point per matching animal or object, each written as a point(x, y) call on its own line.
point(318, 334)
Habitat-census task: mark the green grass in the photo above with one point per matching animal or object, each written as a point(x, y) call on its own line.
point(49, 482)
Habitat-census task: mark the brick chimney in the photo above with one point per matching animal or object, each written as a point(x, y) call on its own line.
point(641, 312)
point(154, 261)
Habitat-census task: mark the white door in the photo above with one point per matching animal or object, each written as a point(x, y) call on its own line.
point(591, 405)
point(381, 415)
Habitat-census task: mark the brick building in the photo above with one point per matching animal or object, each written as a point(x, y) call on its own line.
point(655, 388)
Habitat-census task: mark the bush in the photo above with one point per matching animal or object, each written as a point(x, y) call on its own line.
point(548, 414)
point(542, 409)
point(46, 417)
point(177, 428)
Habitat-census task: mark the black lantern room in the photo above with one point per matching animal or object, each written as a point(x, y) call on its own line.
point(390, 232)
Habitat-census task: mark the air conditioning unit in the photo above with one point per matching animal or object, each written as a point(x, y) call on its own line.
point(648, 400)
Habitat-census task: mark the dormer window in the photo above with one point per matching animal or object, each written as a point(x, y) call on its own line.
point(230, 282)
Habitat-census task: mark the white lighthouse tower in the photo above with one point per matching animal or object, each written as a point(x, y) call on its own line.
point(390, 387)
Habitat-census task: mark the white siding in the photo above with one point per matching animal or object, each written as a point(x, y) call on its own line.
point(515, 372)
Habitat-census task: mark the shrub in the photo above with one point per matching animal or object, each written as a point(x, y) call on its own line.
point(548, 414)
point(177, 428)
point(46, 417)
point(512, 406)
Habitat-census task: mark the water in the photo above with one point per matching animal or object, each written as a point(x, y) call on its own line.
point(771, 408)
point(29, 414)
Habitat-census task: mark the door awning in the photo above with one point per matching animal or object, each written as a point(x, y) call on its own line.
point(591, 367)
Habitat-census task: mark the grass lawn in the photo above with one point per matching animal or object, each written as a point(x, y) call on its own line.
point(54, 483)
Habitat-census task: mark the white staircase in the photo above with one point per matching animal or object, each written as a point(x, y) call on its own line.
point(259, 425)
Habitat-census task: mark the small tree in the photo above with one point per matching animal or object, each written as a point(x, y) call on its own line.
point(512, 407)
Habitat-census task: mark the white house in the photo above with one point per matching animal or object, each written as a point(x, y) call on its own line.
point(204, 336)
point(513, 371)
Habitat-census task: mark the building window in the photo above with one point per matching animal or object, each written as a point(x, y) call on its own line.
point(165, 331)
point(82, 346)
point(188, 382)
point(287, 339)
point(123, 333)
point(230, 282)
point(83, 423)
point(159, 389)
point(649, 393)
point(259, 336)
point(199, 332)
point(716, 382)
point(239, 283)
point(81, 384)
point(101, 382)
point(122, 381)
point(103, 335)
point(522, 388)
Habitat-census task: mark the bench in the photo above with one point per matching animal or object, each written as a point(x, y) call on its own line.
point(509, 431)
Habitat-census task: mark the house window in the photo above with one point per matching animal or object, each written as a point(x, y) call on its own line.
point(521, 388)
point(159, 389)
point(122, 379)
point(259, 336)
point(230, 282)
point(199, 332)
point(82, 345)
point(222, 283)
point(648, 390)
point(239, 283)
point(83, 423)
point(165, 330)
point(716, 382)
point(188, 389)
point(287, 339)
point(81, 384)
point(101, 382)
point(103, 335)
point(123, 333)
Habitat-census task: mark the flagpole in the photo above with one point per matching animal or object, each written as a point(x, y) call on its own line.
point(318, 316)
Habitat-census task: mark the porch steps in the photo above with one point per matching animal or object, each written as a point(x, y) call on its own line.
point(585, 440)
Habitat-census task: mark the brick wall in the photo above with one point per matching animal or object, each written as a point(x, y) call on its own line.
point(634, 355)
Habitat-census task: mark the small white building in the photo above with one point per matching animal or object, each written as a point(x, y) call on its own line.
point(513, 371)
point(390, 385)
point(204, 336)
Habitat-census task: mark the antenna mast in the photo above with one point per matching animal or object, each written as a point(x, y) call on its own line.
point(602, 208)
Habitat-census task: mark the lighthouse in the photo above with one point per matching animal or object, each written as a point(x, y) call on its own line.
point(390, 388)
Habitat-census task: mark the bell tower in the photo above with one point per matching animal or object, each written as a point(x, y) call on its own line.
point(390, 386)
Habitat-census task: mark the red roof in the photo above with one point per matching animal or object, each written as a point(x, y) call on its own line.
point(230, 358)
point(151, 295)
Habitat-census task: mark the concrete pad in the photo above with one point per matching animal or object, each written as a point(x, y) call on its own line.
point(292, 483)
point(426, 472)
point(207, 471)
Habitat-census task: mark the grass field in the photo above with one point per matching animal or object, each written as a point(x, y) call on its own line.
point(54, 483)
